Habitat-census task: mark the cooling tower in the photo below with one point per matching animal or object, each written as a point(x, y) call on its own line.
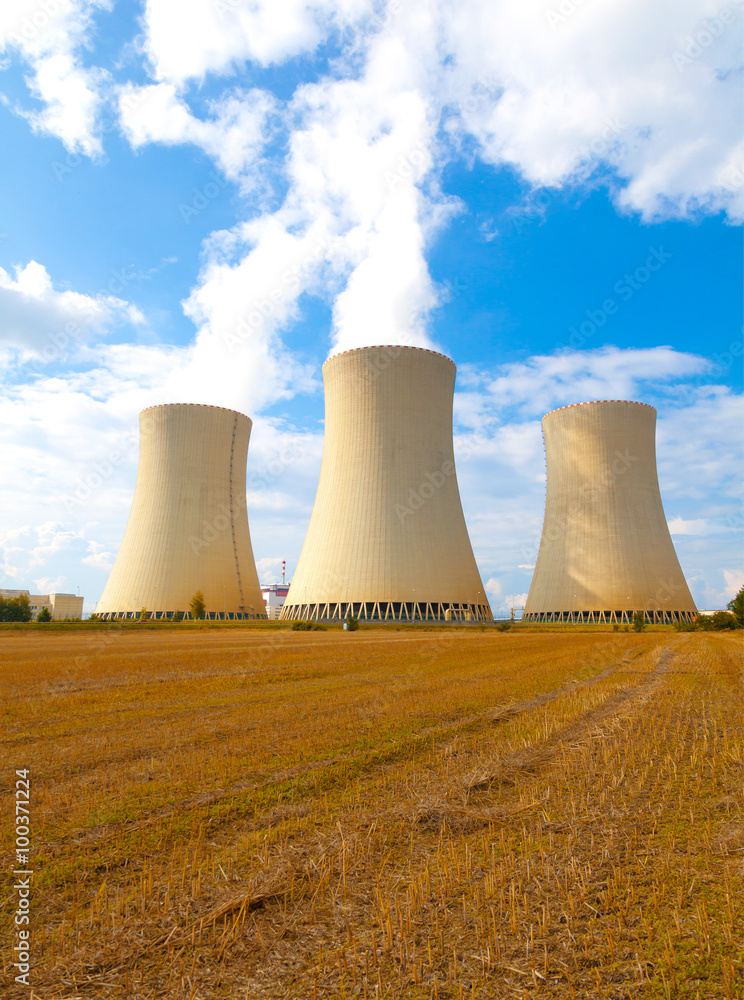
point(188, 526)
point(387, 536)
point(606, 550)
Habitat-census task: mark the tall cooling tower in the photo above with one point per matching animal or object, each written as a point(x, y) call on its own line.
point(606, 550)
point(387, 536)
point(188, 526)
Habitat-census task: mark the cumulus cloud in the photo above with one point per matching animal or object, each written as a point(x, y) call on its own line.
point(234, 135)
point(548, 381)
point(49, 36)
point(98, 558)
point(217, 35)
point(36, 316)
point(734, 581)
point(678, 526)
point(557, 101)
point(646, 91)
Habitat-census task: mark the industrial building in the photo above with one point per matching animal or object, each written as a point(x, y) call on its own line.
point(59, 606)
point(188, 525)
point(387, 538)
point(275, 594)
point(605, 550)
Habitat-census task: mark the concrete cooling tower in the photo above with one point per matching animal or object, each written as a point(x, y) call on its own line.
point(188, 526)
point(387, 536)
point(606, 550)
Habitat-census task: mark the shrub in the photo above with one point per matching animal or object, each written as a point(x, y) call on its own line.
point(44, 615)
point(144, 615)
point(307, 627)
point(352, 623)
point(178, 616)
point(639, 621)
point(719, 621)
point(504, 627)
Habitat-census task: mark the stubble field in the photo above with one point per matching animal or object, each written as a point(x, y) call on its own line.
point(236, 813)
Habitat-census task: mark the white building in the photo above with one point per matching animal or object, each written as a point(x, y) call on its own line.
point(60, 606)
point(274, 595)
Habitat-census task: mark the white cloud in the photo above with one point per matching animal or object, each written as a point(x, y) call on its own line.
point(218, 35)
point(49, 585)
point(548, 381)
point(98, 557)
point(734, 581)
point(48, 322)
point(678, 526)
point(48, 35)
point(556, 99)
point(269, 569)
point(234, 136)
point(493, 588)
point(51, 537)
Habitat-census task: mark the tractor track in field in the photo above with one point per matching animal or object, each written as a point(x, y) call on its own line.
point(371, 760)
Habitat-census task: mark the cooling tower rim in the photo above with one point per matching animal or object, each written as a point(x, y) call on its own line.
point(599, 402)
point(397, 347)
point(204, 406)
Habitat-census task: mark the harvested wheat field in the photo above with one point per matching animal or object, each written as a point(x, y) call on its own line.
point(459, 814)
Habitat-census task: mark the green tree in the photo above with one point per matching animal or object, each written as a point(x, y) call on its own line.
point(197, 607)
point(736, 607)
point(44, 615)
point(352, 624)
point(639, 621)
point(15, 609)
point(178, 616)
point(144, 614)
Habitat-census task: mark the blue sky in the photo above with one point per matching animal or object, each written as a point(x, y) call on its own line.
point(551, 194)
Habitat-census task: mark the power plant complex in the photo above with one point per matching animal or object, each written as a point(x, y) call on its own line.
point(188, 526)
point(387, 539)
point(605, 551)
